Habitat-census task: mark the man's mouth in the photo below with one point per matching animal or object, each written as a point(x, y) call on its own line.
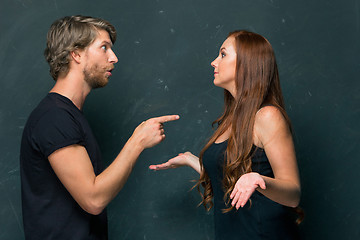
point(109, 71)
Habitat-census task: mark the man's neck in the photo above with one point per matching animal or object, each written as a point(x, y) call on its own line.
point(72, 87)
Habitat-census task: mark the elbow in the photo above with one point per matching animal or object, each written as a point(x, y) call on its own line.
point(296, 199)
point(94, 210)
point(294, 204)
point(94, 207)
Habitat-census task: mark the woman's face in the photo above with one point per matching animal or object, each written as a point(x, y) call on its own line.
point(225, 66)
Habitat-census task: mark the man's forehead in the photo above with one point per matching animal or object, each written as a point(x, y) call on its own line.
point(103, 36)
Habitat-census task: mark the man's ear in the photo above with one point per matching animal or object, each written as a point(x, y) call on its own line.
point(76, 55)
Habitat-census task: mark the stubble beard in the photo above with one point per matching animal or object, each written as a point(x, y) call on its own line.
point(95, 77)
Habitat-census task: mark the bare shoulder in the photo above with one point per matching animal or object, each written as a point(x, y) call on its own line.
point(269, 115)
point(270, 122)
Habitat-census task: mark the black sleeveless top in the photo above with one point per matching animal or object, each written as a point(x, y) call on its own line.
point(264, 219)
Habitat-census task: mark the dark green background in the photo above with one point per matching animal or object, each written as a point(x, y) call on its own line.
point(164, 50)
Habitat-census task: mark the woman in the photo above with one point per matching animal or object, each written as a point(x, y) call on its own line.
point(249, 163)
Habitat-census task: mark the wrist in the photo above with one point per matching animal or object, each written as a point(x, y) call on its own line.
point(135, 143)
point(190, 162)
point(194, 163)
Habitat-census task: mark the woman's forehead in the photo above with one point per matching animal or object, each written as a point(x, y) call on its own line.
point(228, 43)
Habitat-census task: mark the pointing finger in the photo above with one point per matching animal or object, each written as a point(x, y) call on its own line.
point(166, 118)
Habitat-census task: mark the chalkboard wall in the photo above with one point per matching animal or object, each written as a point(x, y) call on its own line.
point(164, 50)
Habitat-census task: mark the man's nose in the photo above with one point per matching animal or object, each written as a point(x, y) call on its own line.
point(113, 58)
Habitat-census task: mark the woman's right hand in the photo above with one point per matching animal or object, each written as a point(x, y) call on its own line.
point(183, 159)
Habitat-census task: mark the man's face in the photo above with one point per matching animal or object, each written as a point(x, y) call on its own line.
point(99, 61)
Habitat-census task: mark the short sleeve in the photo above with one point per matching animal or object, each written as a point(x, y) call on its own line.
point(56, 129)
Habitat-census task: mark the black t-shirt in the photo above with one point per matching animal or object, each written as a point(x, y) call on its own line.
point(49, 211)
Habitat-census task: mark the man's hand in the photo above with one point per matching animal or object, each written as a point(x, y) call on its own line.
point(151, 132)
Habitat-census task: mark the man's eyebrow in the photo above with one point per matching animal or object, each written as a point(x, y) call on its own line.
point(107, 43)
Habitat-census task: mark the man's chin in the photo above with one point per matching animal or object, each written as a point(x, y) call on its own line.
point(99, 84)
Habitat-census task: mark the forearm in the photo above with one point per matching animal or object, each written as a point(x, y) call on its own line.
point(195, 164)
point(108, 184)
point(281, 191)
point(73, 166)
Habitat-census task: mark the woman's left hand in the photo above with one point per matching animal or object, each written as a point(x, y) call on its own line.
point(245, 187)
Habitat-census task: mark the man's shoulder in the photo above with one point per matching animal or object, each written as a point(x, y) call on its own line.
point(54, 107)
point(54, 101)
point(51, 115)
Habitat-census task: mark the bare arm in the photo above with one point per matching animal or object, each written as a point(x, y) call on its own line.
point(183, 159)
point(276, 139)
point(74, 169)
point(272, 133)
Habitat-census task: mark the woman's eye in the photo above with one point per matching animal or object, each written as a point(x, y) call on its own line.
point(223, 55)
point(103, 47)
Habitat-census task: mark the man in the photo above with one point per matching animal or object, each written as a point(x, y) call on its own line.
point(64, 188)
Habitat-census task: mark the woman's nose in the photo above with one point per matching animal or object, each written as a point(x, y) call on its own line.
point(214, 63)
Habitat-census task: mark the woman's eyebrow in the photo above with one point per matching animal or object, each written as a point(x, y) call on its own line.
point(223, 48)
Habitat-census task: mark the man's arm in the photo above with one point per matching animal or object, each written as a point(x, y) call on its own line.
point(73, 167)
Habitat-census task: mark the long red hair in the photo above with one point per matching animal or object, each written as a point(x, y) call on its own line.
point(257, 84)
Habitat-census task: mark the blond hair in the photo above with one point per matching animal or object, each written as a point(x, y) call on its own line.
point(69, 34)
